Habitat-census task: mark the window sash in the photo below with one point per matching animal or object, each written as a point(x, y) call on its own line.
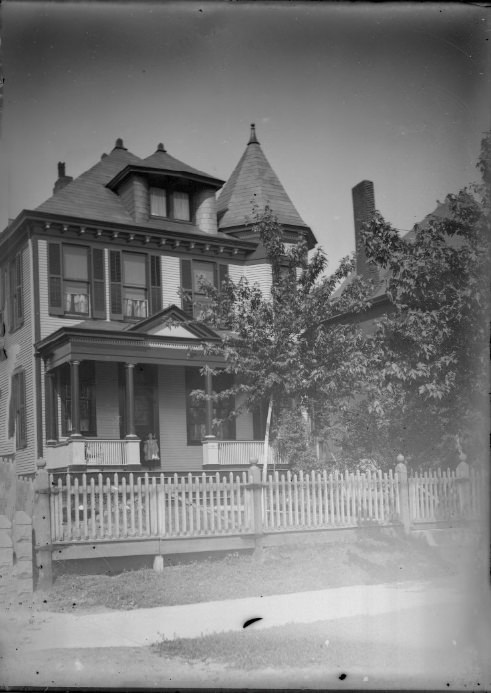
point(75, 263)
point(181, 206)
point(158, 202)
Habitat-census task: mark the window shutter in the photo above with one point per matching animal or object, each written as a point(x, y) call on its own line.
point(116, 285)
point(19, 303)
point(155, 285)
point(21, 410)
point(187, 286)
point(222, 275)
point(98, 284)
point(55, 279)
point(12, 407)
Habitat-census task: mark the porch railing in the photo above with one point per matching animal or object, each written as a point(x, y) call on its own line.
point(241, 452)
point(106, 452)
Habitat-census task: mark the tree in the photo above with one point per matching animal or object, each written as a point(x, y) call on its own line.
point(276, 346)
point(427, 387)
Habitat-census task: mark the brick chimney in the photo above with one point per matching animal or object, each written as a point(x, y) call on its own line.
point(363, 209)
point(63, 179)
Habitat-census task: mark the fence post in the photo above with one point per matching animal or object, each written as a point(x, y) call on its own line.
point(41, 519)
point(256, 487)
point(403, 484)
point(462, 474)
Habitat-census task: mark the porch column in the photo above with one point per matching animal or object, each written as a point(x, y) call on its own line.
point(75, 397)
point(129, 369)
point(209, 405)
point(50, 407)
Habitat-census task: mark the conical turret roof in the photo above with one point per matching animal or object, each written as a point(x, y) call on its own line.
point(253, 182)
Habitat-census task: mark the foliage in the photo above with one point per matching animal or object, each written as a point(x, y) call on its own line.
point(271, 345)
point(426, 394)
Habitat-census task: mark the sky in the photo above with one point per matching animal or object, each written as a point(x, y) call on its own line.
point(394, 93)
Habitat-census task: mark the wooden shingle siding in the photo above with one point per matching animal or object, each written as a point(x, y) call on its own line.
point(175, 454)
point(107, 400)
point(235, 272)
point(49, 323)
point(260, 274)
point(171, 281)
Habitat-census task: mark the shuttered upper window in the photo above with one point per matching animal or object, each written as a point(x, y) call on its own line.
point(16, 299)
point(76, 280)
point(17, 412)
point(135, 285)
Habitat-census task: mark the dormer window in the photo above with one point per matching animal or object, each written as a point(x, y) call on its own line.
point(181, 205)
point(171, 204)
point(158, 202)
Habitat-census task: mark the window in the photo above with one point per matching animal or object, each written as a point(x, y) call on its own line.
point(134, 286)
point(16, 303)
point(172, 204)
point(88, 426)
point(196, 409)
point(17, 410)
point(135, 289)
point(76, 280)
point(158, 202)
point(193, 274)
point(181, 206)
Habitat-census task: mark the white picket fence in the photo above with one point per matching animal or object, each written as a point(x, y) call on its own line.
point(118, 507)
point(442, 496)
point(316, 500)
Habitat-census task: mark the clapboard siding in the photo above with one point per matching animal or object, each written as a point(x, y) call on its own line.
point(171, 281)
point(260, 274)
point(107, 400)
point(175, 453)
point(49, 323)
point(20, 354)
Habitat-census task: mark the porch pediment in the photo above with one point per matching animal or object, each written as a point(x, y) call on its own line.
point(173, 322)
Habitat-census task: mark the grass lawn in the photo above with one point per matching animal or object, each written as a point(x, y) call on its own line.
point(416, 645)
point(369, 560)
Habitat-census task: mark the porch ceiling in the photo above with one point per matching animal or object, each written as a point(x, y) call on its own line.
point(71, 343)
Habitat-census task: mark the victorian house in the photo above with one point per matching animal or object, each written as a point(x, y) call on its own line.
point(101, 340)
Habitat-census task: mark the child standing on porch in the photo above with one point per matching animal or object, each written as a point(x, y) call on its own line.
point(151, 449)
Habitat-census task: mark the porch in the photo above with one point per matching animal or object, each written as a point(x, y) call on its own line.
point(123, 396)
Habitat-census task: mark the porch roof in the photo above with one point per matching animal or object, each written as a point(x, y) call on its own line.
point(105, 342)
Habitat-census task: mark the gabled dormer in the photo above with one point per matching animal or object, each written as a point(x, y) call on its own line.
point(254, 182)
point(161, 188)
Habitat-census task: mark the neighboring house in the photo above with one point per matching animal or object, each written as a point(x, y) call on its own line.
point(100, 300)
point(380, 304)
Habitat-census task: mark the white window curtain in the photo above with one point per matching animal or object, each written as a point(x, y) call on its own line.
point(181, 206)
point(158, 202)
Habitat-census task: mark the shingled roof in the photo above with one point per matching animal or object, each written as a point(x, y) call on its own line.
point(254, 181)
point(87, 196)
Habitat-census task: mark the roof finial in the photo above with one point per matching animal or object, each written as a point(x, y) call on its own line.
point(119, 144)
point(253, 139)
point(160, 147)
